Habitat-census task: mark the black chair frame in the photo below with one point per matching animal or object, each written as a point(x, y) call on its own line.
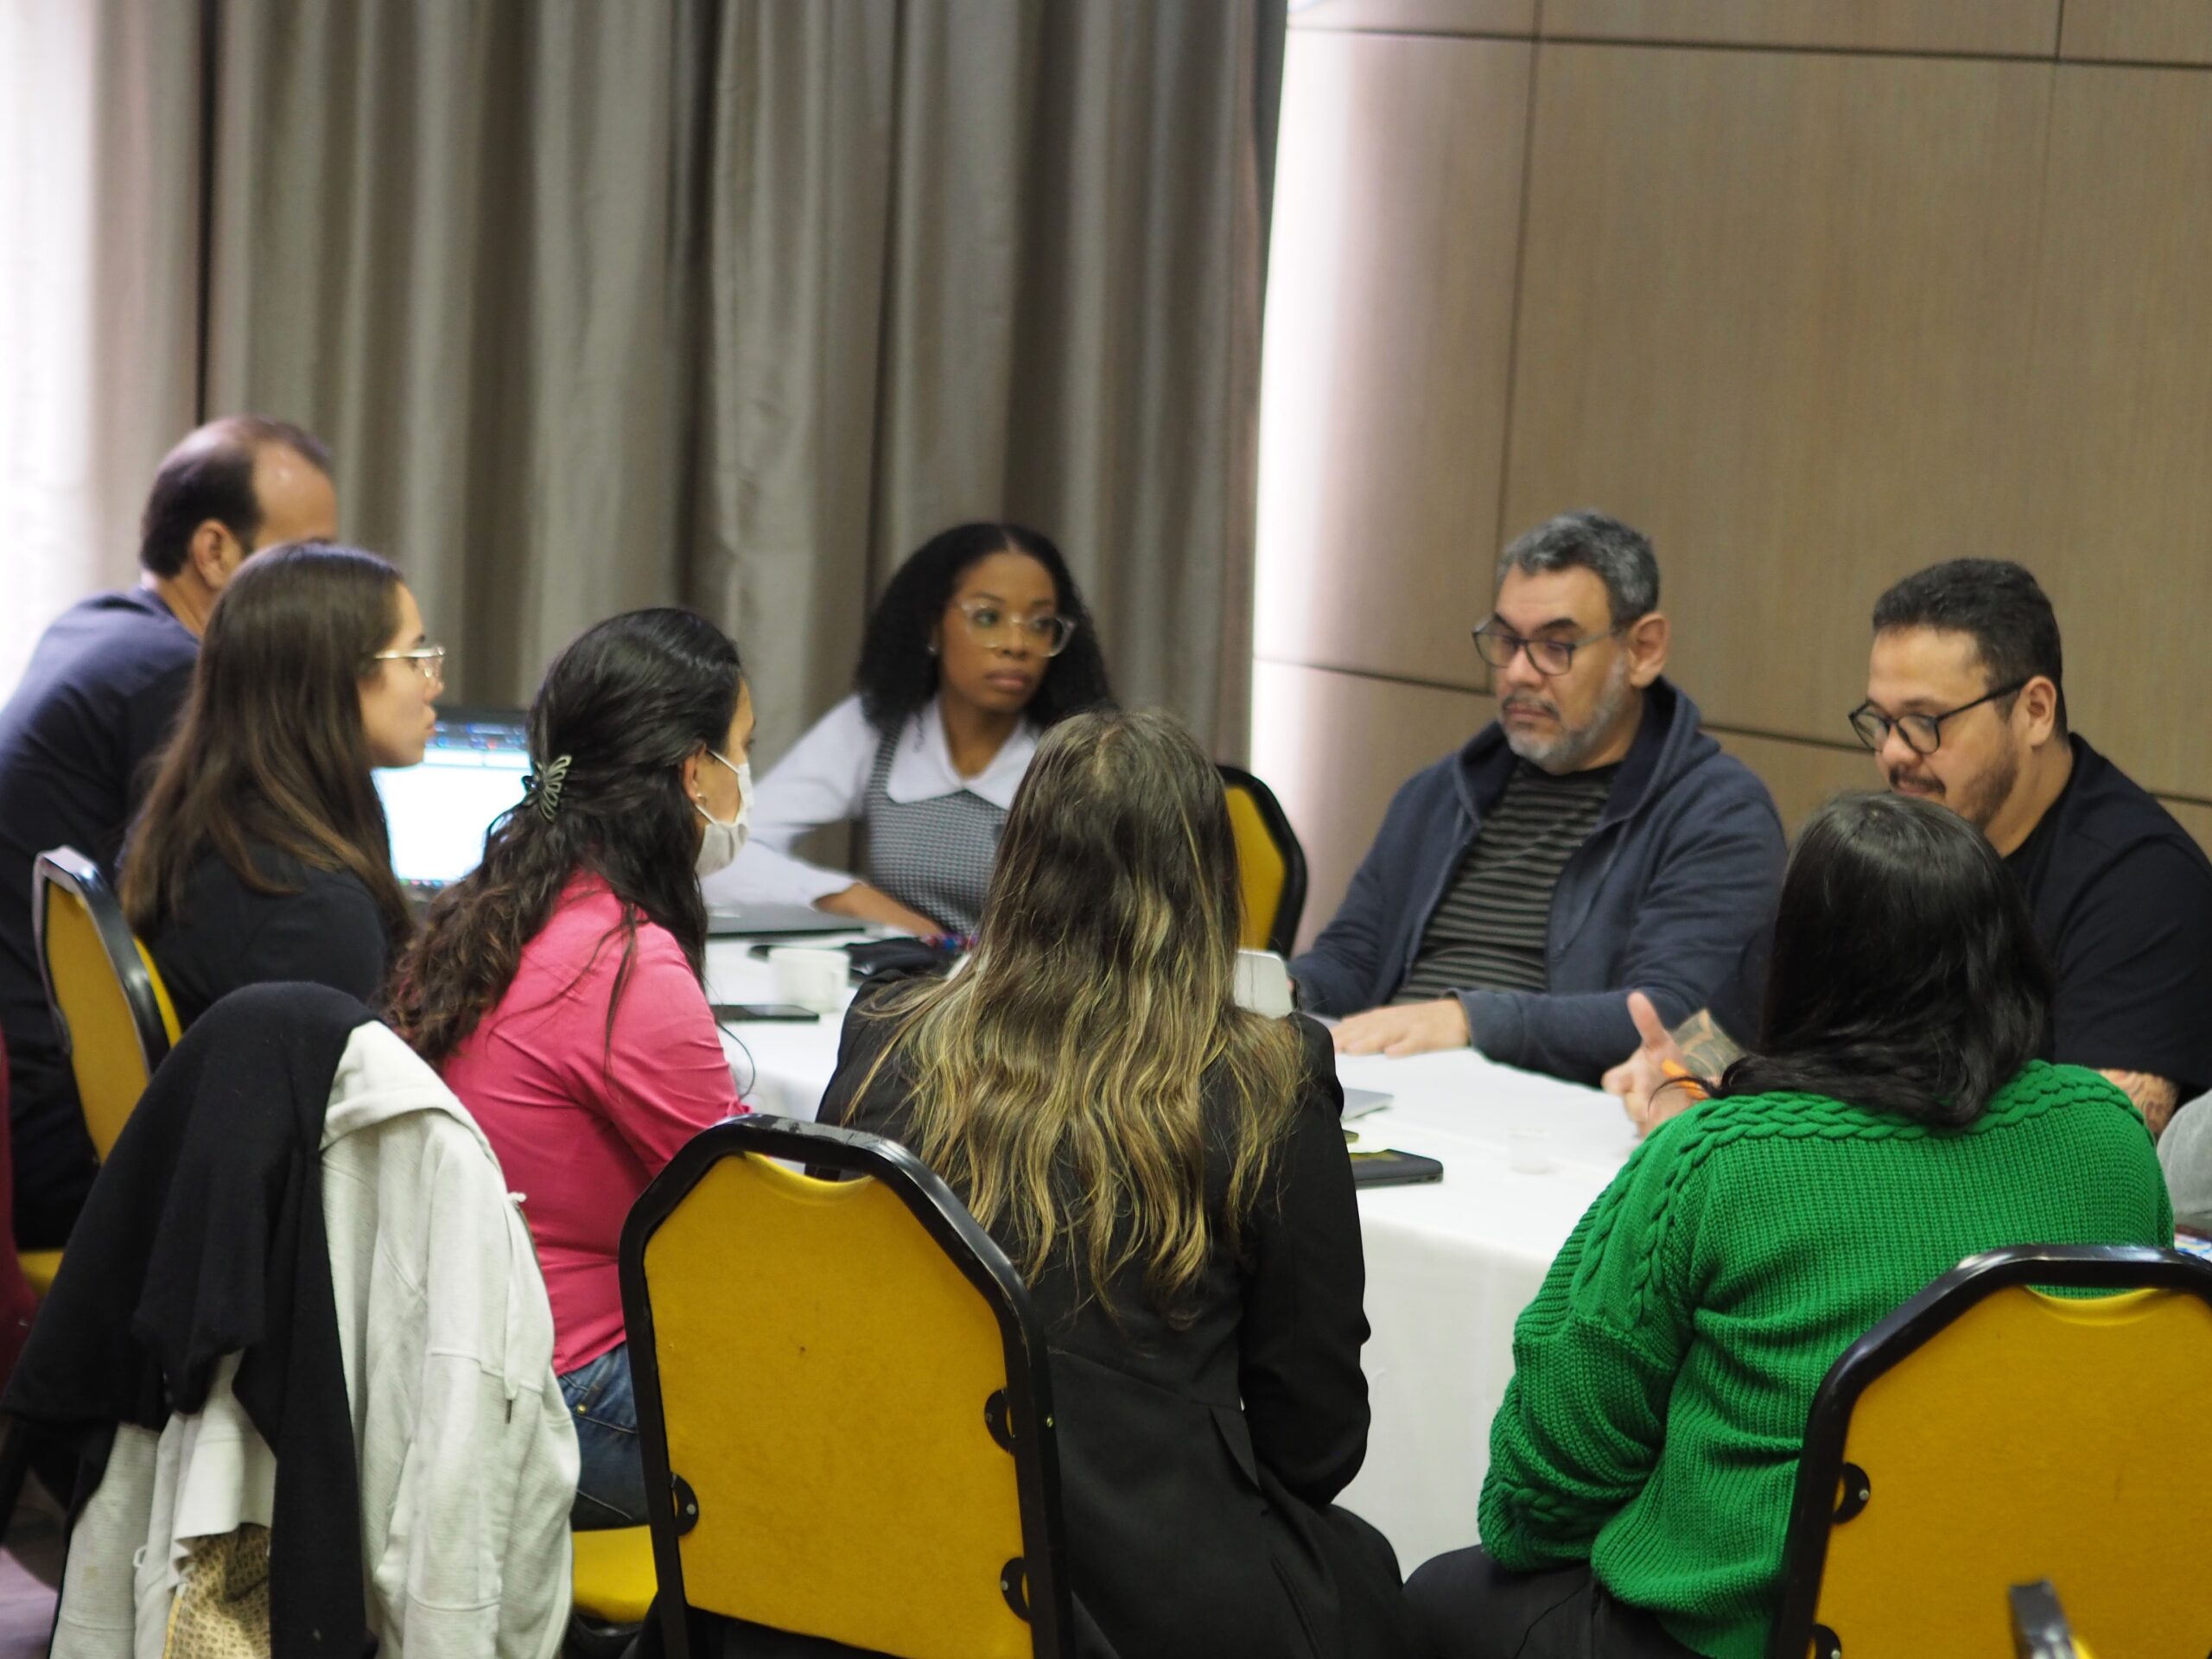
point(1290, 908)
point(1820, 1467)
point(64, 867)
point(1043, 1599)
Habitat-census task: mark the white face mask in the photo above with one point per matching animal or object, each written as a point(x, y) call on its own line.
point(721, 842)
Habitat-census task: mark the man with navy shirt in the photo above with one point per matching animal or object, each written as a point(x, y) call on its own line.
point(95, 703)
point(1592, 839)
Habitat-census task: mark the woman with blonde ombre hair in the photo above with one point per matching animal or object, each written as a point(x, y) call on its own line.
point(1168, 1172)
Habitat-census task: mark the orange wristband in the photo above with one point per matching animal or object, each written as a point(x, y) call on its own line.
point(1676, 1072)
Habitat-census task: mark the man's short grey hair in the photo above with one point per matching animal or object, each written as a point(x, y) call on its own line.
point(1621, 557)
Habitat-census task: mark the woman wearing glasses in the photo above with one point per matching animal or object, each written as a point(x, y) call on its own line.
point(980, 644)
point(260, 851)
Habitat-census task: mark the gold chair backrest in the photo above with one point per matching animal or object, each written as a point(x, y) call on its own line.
point(1260, 870)
point(826, 1377)
point(110, 1006)
point(2032, 1436)
point(1270, 864)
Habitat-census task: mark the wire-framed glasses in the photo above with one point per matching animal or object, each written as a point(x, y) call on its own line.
point(994, 625)
point(430, 661)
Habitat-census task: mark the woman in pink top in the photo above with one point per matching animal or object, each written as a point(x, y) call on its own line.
point(558, 988)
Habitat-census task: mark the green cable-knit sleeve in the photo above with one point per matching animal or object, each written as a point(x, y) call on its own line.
point(1594, 1358)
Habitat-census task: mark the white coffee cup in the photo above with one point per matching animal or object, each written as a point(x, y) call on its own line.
point(810, 976)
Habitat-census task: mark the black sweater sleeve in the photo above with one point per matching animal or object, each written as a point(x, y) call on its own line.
point(1304, 1395)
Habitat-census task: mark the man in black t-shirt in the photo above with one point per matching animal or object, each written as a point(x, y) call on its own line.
point(1965, 705)
point(96, 702)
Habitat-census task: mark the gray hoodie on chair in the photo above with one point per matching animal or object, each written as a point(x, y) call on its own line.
point(1680, 876)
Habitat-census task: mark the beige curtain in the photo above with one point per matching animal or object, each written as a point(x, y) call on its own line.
point(99, 179)
point(448, 236)
point(610, 303)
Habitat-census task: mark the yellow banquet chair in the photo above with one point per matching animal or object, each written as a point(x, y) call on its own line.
point(114, 1022)
point(1991, 1434)
point(1270, 864)
point(874, 1375)
point(612, 1574)
point(111, 1011)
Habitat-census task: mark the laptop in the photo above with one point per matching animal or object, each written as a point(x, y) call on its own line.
point(438, 812)
point(766, 921)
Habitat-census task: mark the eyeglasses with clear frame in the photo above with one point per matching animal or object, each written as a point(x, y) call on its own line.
point(430, 661)
point(1550, 658)
point(1922, 733)
point(989, 624)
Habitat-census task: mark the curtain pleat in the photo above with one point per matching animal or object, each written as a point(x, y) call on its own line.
point(736, 302)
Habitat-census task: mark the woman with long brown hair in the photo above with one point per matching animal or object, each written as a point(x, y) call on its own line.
point(1169, 1172)
point(261, 852)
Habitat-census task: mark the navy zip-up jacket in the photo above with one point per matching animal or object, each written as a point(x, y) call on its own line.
point(1666, 897)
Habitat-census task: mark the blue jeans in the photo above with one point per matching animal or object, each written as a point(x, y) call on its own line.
point(611, 1485)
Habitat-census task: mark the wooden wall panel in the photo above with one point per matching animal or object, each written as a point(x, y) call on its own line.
point(1388, 332)
point(1419, 16)
point(2119, 492)
point(1775, 309)
point(1800, 776)
point(2141, 31)
point(2014, 28)
point(1334, 747)
point(2195, 817)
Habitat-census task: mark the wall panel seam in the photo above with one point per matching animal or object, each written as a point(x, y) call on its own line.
point(1718, 729)
point(1513, 311)
point(1373, 30)
point(1787, 50)
point(1412, 681)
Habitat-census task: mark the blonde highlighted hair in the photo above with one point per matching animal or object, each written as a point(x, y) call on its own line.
point(1058, 1082)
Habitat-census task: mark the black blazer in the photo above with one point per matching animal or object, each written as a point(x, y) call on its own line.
point(224, 935)
point(1198, 1466)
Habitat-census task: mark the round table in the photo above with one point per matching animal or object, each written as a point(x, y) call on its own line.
point(1450, 1264)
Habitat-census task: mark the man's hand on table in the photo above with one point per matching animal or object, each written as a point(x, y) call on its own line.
point(1410, 1028)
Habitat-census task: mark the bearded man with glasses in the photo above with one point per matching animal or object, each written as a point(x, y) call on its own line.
point(1965, 705)
point(1592, 839)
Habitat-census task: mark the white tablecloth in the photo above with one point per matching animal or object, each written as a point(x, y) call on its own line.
point(1449, 1265)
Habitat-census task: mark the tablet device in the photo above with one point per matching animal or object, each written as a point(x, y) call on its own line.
point(1393, 1169)
point(1358, 1102)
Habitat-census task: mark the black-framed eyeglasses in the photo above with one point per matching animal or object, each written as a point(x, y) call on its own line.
point(1924, 733)
point(1550, 658)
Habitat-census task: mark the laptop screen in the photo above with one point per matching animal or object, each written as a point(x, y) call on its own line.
point(438, 812)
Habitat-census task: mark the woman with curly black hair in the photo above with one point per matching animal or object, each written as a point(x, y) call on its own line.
point(980, 644)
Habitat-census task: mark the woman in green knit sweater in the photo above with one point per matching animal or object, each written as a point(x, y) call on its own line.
point(1895, 1119)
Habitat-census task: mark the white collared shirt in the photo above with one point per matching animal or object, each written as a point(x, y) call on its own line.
point(824, 781)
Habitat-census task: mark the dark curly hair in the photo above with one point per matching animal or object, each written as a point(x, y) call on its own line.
point(625, 705)
point(897, 675)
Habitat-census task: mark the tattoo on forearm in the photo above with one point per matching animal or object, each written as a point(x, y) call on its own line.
point(1706, 1049)
point(2154, 1096)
